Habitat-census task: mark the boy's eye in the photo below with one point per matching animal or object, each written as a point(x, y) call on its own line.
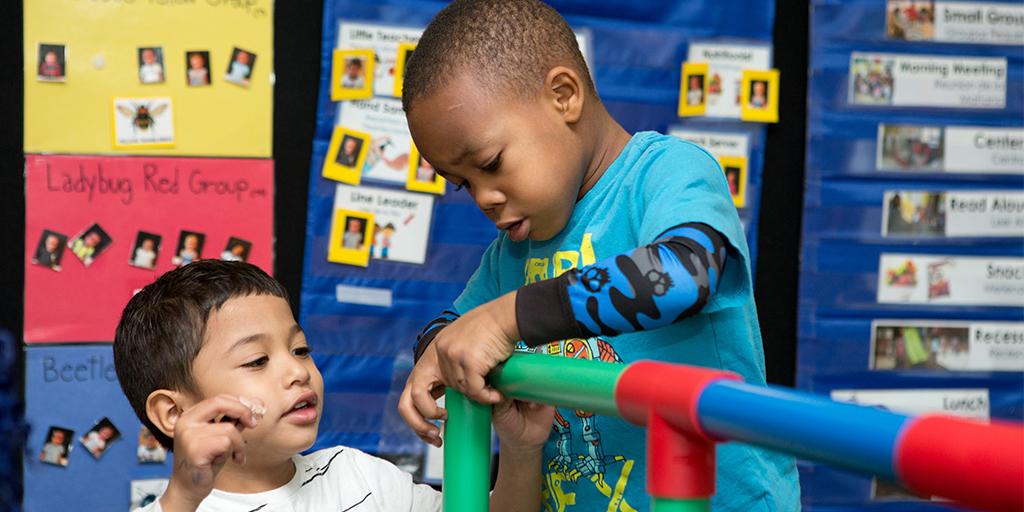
point(302, 351)
point(256, 363)
point(493, 165)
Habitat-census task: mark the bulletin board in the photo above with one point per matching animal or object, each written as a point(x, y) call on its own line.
point(915, 203)
point(218, 199)
point(74, 113)
point(364, 319)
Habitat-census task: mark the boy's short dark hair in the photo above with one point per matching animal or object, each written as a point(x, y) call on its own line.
point(507, 45)
point(162, 327)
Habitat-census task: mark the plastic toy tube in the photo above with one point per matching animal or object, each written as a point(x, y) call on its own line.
point(467, 454)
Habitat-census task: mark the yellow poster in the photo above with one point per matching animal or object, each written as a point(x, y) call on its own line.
point(97, 74)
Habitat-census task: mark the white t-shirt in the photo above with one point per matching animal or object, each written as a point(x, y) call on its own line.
point(150, 73)
point(338, 478)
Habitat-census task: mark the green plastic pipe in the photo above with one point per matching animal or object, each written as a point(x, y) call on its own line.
point(467, 454)
point(671, 505)
point(566, 382)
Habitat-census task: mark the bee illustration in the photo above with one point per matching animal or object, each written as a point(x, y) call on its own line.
point(143, 115)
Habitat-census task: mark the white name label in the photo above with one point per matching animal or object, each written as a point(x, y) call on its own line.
point(950, 280)
point(927, 81)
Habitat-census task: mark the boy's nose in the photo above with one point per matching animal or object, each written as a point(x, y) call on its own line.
point(297, 373)
point(488, 198)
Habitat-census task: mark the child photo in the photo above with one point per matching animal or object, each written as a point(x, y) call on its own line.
point(910, 20)
point(240, 68)
point(198, 65)
point(424, 171)
point(348, 154)
point(354, 236)
point(735, 169)
point(58, 444)
point(189, 249)
point(871, 80)
point(89, 244)
point(914, 213)
point(50, 249)
point(732, 175)
point(355, 74)
point(421, 176)
point(352, 74)
point(908, 147)
point(759, 94)
point(145, 250)
point(351, 237)
point(920, 346)
point(236, 250)
point(695, 90)
point(150, 451)
point(151, 65)
point(51, 63)
point(100, 437)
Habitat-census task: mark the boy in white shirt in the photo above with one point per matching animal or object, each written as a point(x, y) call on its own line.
point(213, 362)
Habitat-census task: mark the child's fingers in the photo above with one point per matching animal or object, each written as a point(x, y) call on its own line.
point(222, 439)
point(425, 430)
point(477, 390)
point(215, 409)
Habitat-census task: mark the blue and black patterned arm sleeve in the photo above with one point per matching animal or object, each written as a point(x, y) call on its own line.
point(427, 335)
point(646, 288)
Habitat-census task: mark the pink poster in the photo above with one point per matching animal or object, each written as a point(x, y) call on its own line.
point(98, 229)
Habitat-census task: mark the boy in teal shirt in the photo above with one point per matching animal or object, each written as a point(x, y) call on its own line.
point(613, 247)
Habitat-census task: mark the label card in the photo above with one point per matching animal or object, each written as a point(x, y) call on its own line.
point(143, 122)
point(402, 220)
point(953, 214)
point(952, 346)
point(955, 22)
point(927, 81)
point(964, 403)
point(383, 41)
point(389, 142)
point(960, 149)
point(950, 280)
point(726, 63)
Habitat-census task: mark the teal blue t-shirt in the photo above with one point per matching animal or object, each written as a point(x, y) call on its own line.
point(596, 463)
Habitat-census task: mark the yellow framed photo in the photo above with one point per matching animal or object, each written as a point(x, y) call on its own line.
point(422, 177)
point(693, 89)
point(405, 50)
point(735, 168)
point(351, 237)
point(352, 74)
point(346, 155)
point(759, 99)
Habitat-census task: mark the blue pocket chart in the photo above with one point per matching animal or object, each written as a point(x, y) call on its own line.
point(913, 239)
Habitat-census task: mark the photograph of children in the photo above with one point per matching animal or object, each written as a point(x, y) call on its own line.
point(921, 346)
point(695, 90)
point(89, 244)
point(938, 282)
point(150, 451)
point(151, 65)
point(871, 80)
point(189, 249)
point(100, 437)
point(732, 175)
point(58, 444)
point(51, 63)
point(144, 492)
point(145, 250)
point(425, 172)
point(914, 213)
point(50, 249)
point(909, 147)
point(236, 250)
point(198, 65)
point(355, 233)
point(910, 20)
point(759, 93)
point(354, 76)
point(348, 153)
point(240, 68)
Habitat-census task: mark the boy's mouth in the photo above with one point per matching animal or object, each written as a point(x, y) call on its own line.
point(518, 230)
point(303, 410)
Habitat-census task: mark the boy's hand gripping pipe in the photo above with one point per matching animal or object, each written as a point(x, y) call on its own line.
point(687, 409)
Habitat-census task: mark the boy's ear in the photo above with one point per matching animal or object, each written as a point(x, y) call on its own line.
point(565, 89)
point(164, 407)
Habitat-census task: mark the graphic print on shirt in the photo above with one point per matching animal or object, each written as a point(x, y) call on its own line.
point(584, 462)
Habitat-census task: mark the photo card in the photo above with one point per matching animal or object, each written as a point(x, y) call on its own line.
point(143, 122)
point(405, 50)
point(150, 451)
point(151, 64)
point(52, 63)
point(50, 249)
point(693, 89)
point(240, 67)
point(760, 96)
point(735, 168)
point(57, 446)
point(90, 243)
point(197, 65)
point(351, 237)
point(189, 248)
point(100, 437)
point(352, 74)
point(236, 250)
point(346, 155)
point(422, 176)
